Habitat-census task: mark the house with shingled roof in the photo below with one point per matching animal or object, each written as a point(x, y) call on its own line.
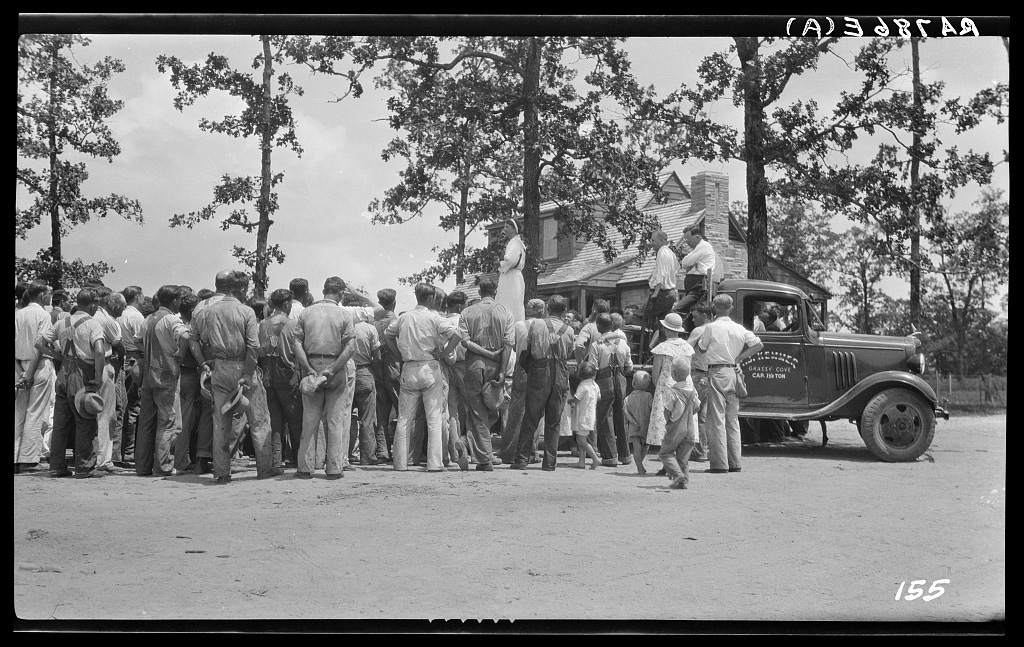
point(578, 270)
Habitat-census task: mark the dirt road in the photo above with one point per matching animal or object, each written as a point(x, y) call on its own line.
point(802, 533)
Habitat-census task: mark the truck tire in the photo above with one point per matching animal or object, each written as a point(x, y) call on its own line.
point(898, 425)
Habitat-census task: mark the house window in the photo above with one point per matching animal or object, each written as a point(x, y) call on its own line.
point(549, 244)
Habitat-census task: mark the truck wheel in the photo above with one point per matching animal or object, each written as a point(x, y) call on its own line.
point(897, 425)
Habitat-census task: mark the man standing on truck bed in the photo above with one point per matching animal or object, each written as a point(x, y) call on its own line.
point(697, 264)
point(662, 281)
point(725, 344)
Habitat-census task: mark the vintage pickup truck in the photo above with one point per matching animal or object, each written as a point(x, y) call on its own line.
point(807, 373)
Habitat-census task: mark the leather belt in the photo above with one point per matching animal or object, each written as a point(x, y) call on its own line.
point(321, 356)
point(711, 366)
point(364, 365)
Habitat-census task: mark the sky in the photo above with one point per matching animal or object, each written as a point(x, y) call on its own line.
point(170, 166)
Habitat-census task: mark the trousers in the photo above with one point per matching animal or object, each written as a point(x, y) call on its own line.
point(387, 404)
point(365, 403)
point(701, 384)
point(130, 419)
point(105, 419)
point(675, 451)
point(421, 383)
point(723, 423)
point(324, 407)
point(285, 404)
point(547, 388)
point(514, 416)
point(158, 426)
point(224, 384)
point(31, 410)
point(186, 445)
point(479, 371)
point(69, 426)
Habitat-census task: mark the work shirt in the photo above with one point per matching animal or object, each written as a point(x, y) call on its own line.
point(701, 260)
point(297, 308)
point(29, 323)
point(487, 324)
point(538, 340)
point(324, 328)
point(723, 340)
point(608, 345)
point(666, 266)
point(366, 341)
point(269, 334)
point(165, 329)
point(84, 336)
point(228, 329)
point(131, 321)
point(111, 330)
point(421, 334)
point(698, 362)
point(587, 334)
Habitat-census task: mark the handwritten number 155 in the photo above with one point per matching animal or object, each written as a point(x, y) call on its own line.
point(914, 591)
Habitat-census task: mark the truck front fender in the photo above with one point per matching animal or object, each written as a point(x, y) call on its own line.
point(851, 403)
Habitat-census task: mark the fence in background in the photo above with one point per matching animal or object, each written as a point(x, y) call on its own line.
point(969, 392)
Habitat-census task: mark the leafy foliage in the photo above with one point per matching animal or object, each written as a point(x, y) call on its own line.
point(799, 235)
point(63, 108)
point(268, 116)
point(529, 107)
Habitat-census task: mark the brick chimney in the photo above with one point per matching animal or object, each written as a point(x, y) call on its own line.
point(709, 190)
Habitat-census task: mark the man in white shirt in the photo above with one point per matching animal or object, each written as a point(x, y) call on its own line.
point(131, 321)
point(663, 280)
point(33, 397)
point(724, 344)
point(697, 265)
point(113, 349)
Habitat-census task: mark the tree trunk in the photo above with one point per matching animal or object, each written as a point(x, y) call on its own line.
point(260, 278)
point(915, 175)
point(531, 163)
point(460, 258)
point(753, 154)
point(57, 280)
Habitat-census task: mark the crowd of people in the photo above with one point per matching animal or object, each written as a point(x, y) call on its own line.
point(189, 381)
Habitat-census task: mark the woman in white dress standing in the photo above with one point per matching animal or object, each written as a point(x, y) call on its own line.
point(511, 287)
point(664, 353)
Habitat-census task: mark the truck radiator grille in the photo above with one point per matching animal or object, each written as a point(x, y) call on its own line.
point(844, 364)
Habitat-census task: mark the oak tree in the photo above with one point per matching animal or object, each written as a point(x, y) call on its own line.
point(63, 112)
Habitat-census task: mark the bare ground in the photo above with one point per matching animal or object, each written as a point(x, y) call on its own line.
point(802, 533)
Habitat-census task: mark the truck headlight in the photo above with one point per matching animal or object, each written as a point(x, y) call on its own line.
point(916, 363)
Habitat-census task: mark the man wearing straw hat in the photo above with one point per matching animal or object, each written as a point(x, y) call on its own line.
point(77, 340)
point(228, 343)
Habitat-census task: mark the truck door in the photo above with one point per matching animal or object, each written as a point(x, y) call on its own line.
point(776, 377)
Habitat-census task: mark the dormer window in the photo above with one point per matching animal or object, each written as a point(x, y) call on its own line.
point(549, 244)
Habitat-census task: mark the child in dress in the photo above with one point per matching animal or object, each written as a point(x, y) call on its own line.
point(584, 418)
point(638, 418)
point(681, 402)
